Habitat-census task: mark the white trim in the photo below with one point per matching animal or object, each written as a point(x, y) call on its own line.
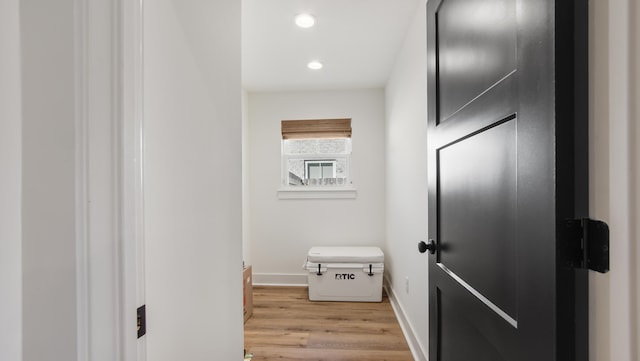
point(132, 256)
point(328, 192)
point(280, 279)
point(622, 285)
point(112, 148)
point(417, 351)
point(105, 135)
point(81, 179)
point(125, 315)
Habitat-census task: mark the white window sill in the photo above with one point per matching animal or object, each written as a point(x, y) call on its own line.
point(307, 192)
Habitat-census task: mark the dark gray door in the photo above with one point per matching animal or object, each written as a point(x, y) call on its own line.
point(507, 101)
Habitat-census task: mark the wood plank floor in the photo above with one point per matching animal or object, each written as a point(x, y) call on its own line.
point(286, 326)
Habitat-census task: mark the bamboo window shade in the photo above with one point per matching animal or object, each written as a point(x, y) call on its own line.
point(316, 128)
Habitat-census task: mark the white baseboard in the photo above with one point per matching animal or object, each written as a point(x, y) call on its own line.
point(280, 279)
point(416, 350)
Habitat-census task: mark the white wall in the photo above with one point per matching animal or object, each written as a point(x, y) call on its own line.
point(282, 231)
point(193, 200)
point(614, 167)
point(10, 184)
point(635, 123)
point(406, 213)
point(48, 180)
point(246, 206)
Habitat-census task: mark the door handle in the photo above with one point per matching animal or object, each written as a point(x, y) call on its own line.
point(424, 246)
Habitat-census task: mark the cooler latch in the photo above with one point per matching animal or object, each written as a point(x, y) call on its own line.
point(319, 270)
point(370, 270)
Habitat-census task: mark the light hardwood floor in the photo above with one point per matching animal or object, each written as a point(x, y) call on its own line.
point(286, 326)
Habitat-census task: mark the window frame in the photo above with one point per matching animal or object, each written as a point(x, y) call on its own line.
point(321, 163)
point(316, 129)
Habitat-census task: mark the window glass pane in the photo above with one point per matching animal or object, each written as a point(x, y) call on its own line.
point(327, 170)
point(300, 146)
point(314, 171)
point(332, 146)
point(317, 146)
point(296, 167)
point(294, 180)
point(341, 168)
point(323, 161)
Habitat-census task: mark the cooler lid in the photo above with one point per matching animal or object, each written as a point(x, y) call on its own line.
point(345, 255)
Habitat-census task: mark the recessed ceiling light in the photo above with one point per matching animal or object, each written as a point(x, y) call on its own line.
point(314, 65)
point(305, 20)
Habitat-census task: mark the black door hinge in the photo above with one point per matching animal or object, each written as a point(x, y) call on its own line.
point(587, 244)
point(142, 321)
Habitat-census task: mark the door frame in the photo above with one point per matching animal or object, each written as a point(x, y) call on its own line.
point(109, 194)
point(133, 174)
point(614, 157)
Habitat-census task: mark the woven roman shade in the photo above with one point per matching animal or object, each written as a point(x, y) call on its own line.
point(316, 128)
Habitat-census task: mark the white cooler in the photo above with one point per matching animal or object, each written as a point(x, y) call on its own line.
point(345, 273)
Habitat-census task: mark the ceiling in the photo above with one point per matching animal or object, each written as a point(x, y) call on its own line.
point(356, 40)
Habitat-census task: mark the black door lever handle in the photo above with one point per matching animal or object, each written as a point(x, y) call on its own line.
point(424, 246)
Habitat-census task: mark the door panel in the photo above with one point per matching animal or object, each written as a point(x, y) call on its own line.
point(474, 54)
point(490, 326)
point(497, 103)
point(503, 98)
point(455, 327)
point(477, 189)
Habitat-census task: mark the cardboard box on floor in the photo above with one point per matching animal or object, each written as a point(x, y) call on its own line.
point(247, 286)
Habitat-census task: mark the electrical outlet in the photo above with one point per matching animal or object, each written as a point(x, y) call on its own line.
point(406, 284)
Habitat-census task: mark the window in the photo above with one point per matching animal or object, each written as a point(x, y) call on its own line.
point(319, 169)
point(316, 153)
